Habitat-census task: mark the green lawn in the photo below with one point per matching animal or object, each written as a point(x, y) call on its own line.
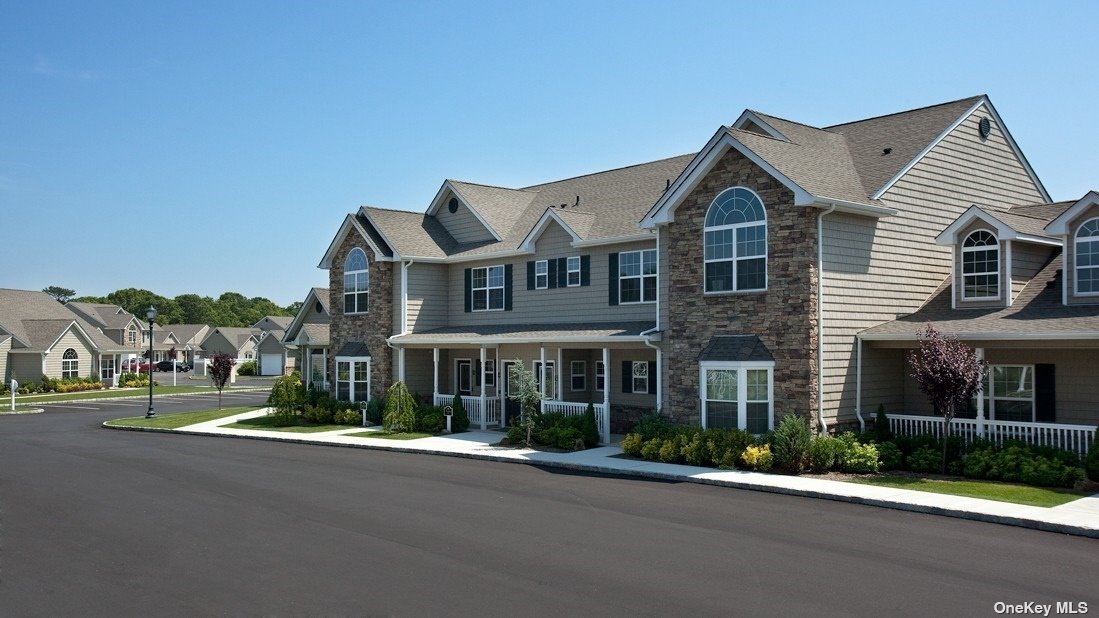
point(267, 423)
point(111, 394)
point(389, 435)
point(989, 490)
point(177, 420)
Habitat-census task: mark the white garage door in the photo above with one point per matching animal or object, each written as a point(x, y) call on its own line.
point(270, 364)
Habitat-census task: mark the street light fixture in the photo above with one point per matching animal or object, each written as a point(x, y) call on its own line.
point(151, 314)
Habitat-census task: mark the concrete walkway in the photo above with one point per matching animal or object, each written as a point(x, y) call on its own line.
point(1080, 517)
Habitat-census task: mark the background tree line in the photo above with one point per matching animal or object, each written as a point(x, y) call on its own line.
point(229, 309)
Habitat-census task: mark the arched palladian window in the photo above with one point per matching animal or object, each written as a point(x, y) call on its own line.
point(356, 282)
point(1087, 257)
point(980, 266)
point(735, 242)
point(70, 364)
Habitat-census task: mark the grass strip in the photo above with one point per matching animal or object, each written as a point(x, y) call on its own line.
point(267, 423)
point(175, 420)
point(389, 435)
point(45, 398)
point(988, 490)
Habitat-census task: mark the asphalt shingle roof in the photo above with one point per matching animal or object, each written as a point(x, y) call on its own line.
point(739, 348)
point(317, 334)
point(353, 349)
point(35, 320)
point(528, 331)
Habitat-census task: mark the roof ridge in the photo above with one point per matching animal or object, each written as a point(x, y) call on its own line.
point(400, 210)
point(907, 111)
point(809, 126)
point(488, 186)
point(613, 169)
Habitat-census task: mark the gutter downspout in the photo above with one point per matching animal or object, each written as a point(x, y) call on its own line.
point(858, 383)
point(404, 318)
point(820, 318)
point(648, 334)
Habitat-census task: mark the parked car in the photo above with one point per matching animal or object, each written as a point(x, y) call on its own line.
point(166, 365)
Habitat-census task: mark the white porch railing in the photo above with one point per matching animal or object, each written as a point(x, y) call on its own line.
point(572, 408)
point(1076, 438)
point(472, 404)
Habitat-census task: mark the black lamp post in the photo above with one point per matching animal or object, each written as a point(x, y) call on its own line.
point(151, 314)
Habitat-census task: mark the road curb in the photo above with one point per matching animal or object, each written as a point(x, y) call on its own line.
point(247, 389)
point(1021, 522)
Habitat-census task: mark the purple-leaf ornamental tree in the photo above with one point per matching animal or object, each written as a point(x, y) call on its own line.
point(221, 367)
point(948, 372)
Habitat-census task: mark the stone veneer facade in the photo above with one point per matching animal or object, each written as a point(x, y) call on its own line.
point(371, 328)
point(783, 317)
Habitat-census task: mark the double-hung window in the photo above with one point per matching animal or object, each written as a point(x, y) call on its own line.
point(490, 373)
point(579, 375)
point(600, 376)
point(488, 288)
point(356, 282)
point(737, 395)
point(735, 242)
point(1009, 393)
point(980, 266)
point(70, 364)
point(353, 378)
point(1087, 258)
point(541, 275)
point(640, 376)
point(573, 272)
point(637, 276)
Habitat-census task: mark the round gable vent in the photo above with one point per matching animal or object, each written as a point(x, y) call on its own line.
point(985, 127)
point(319, 307)
point(452, 206)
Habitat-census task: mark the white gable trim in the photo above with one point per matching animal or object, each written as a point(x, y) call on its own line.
point(543, 223)
point(437, 203)
point(1003, 231)
point(664, 209)
point(748, 116)
point(350, 223)
point(1059, 226)
point(299, 318)
point(954, 125)
point(83, 334)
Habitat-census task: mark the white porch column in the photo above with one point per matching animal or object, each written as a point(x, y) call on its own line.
point(542, 379)
point(324, 359)
point(484, 412)
point(858, 383)
point(435, 380)
point(559, 373)
point(981, 400)
point(400, 365)
point(659, 379)
point(607, 393)
point(500, 388)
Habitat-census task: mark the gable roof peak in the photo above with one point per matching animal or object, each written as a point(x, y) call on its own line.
point(964, 100)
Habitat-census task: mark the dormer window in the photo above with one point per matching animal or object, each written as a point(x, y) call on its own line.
point(356, 282)
point(1087, 258)
point(980, 266)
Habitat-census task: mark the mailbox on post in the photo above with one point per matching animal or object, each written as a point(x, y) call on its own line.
point(448, 412)
point(362, 410)
point(15, 385)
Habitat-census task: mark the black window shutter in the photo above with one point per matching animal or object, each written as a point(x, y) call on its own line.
point(1045, 394)
point(627, 376)
point(477, 372)
point(551, 268)
point(612, 279)
point(469, 290)
point(562, 272)
point(507, 287)
point(652, 377)
point(585, 270)
point(530, 275)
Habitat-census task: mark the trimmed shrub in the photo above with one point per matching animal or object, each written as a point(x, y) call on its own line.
point(890, 456)
point(654, 425)
point(317, 414)
point(631, 444)
point(247, 368)
point(860, 458)
point(347, 416)
point(925, 459)
point(430, 419)
point(825, 453)
point(757, 457)
point(1091, 464)
point(651, 448)
point(287, 394)
point(882, 433)
point(790, 444)
point(671, 450)
point(459, 420)
point(588, 427)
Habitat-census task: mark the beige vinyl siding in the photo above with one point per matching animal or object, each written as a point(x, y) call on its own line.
point(217, 343)
point(1026, 260)
point(463, 225)
point(418, 372)
point(427, 297)
point(397, 326)
point(1070, 258)
point(5, 346)
point(876, 270)
point(957, 289)
point(315, 317)
point(559, 305)
point(270, 345)
point(26, 367)
point(84, 355)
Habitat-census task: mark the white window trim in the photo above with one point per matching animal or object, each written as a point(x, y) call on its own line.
point(539, 375)
point(488, 289)
point(358, 310)
point(1075, 259)
point(352, 360)
point(999, 279)
point(990, 409)
point(131, 335)
point(600, 373)
point(742, 390)
point(634, 377)
point(569, 270)
point(736, 259)
point(640, 278)
point(70, 365)
point(583, 375)
point(488, 379)
point(542, 265)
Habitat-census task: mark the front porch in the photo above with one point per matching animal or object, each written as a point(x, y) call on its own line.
point(1076, 438)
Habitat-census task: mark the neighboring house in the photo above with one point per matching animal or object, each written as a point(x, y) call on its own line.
point(121, 326)
point(761, 276)
point(239, 343)
point(308, 335)
point(275, 359)
point(188, 339)
point(40, 336)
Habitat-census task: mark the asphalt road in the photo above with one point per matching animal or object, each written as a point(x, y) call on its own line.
point(98, 522)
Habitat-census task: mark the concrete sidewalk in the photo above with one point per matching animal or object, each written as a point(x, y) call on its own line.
point(1080, 517)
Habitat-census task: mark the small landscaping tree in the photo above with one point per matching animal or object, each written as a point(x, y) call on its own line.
point(459, 418)
point(400, 409)
point(790, 443)
point(287, 396)
point(948, 372)
point(526, 392)
point(172, 353)
point(221, 367)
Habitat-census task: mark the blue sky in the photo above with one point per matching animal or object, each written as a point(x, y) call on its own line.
point(237, 135)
